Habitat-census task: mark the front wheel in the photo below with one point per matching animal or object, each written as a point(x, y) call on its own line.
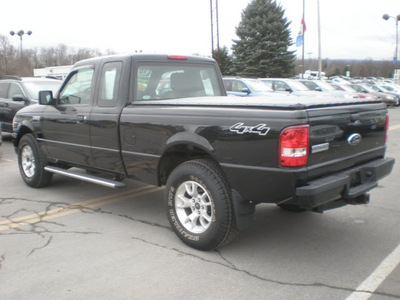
point(199, 205)
point(31, 162)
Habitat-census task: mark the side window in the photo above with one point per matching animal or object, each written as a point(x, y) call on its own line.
point(268, 83)
point(15, 90)
point(4, 89)
point(78, 88)
point(110, 77)
point(238, 86)
point(228, 85)
point(281, 86)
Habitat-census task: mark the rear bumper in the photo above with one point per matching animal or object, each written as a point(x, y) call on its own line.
point(343, 187)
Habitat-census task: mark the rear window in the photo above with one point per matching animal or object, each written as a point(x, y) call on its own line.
point(168, 81)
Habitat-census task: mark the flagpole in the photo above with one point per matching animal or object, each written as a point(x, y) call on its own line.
point(302, 54)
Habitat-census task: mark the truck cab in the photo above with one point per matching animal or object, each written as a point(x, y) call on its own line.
point(80, 125)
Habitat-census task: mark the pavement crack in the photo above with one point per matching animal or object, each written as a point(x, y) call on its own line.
point(225, 259)
point(232, 267)
point(42, 247)
point(2, 259)
point(153, 224)
point(7, 200)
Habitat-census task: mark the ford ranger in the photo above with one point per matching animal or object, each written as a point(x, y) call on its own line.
point(166, 121)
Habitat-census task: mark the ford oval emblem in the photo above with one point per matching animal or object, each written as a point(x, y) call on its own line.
point(354, 139)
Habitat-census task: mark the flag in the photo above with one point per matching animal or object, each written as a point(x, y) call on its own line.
point(300, 36)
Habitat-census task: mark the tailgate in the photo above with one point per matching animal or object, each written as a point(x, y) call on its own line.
point(345, 136)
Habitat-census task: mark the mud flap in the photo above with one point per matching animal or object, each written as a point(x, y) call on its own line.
point(244, 211)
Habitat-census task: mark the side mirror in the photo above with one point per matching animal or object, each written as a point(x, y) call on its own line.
point(18, 98)
point(245, 90)
point(46, 97)
point(318, 89)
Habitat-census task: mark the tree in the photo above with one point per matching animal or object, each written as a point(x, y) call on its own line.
point(264, 38)
point(224, 60)
point(8, 55)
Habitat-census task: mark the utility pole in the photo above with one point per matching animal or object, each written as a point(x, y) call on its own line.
point(304, 35)
point(319, 43)
point(214, 18)
point(396, 54)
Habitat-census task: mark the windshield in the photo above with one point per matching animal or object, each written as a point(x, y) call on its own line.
point(378, 89)
point(368, 89)
point(346, 88)
point(325, 86)
point(389, 88)
point(297, 86)
point(257, 85)
point(35, 87)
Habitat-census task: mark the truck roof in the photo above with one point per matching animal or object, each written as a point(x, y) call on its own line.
point(150, 57)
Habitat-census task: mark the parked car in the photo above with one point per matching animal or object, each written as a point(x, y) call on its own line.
point(388, 99)
point(290, 86)
point(346, 87)
point(244, 87)
point(17, 92)
point(387, 90)
point(323, 86)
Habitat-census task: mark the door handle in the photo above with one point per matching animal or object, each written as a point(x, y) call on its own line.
point(81, 118)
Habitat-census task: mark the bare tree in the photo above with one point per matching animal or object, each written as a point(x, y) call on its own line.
point(8, 55)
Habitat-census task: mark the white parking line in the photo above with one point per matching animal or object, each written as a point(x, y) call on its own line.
point(366, 289)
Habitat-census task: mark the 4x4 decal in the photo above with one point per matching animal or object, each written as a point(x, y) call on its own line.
point(240, 128)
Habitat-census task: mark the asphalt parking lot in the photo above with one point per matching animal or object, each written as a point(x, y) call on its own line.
point(76, 240)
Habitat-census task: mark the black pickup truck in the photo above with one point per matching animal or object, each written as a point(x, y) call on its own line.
point(166, 120)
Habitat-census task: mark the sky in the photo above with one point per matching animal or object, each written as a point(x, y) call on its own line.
point(350, 29)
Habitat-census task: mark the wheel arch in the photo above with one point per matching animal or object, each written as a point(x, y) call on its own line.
point(180, 148)
point(24, 128)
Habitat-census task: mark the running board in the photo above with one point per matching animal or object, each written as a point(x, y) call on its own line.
point(85, 177)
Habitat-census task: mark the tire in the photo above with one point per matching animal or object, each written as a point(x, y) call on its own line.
point(31, 163)
point(199, 205)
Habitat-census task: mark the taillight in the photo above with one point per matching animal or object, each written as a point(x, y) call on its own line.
point(293, 146)
point(386, 128)
point(177, 57)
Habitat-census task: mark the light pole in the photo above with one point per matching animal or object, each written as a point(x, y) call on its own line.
point(20, 34)
point(397, 18)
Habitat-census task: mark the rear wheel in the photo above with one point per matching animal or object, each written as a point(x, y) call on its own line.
point(31, 162)
point(199, 205)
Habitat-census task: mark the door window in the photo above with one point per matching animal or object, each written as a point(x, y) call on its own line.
point(15, 90)
point(238, 86)
point(281, 86)
point(78, 88)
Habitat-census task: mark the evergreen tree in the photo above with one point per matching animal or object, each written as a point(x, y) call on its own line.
point(224, 60)
point(264, 38)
